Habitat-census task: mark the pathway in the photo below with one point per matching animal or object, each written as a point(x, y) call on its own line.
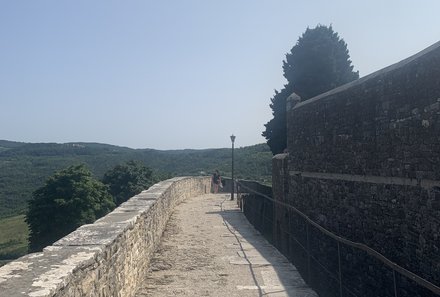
point(210, 249)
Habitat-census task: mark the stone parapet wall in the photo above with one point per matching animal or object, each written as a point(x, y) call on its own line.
point(364, 161)
point(245, 185)
point(107, 258)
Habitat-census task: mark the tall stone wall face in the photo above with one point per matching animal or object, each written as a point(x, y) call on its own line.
point(364, 161)
point(107, 258)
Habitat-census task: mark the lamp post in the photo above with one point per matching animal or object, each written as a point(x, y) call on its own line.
point(233, 182)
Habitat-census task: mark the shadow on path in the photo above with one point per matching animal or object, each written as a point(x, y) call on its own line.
point(272, 273)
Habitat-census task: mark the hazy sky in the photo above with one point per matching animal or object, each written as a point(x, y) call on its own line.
point(172, 74)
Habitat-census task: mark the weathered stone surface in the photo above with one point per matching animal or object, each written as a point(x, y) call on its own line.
point(364, 162)
point(107, 258)
point(45, 273)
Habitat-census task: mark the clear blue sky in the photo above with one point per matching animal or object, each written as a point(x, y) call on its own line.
point(179, 73)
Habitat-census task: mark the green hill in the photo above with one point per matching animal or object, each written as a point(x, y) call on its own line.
point(14, 238)
point(25, 166)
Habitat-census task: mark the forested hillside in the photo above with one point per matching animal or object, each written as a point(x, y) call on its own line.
point(25, 166)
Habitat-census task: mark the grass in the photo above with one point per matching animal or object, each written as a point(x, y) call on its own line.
point(13, 238)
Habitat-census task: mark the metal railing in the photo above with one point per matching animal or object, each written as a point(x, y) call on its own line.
point(355, 269)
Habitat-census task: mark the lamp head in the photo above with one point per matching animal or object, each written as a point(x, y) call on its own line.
point(232, 138)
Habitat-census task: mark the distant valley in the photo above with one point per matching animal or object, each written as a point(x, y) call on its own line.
point(25, 166)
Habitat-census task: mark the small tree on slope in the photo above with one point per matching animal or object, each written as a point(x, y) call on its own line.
point(69, 199)
point(126, 180)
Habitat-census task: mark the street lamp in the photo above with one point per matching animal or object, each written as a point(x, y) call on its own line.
point(233, 183)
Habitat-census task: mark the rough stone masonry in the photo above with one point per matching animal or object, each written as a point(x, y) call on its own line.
point(364, 162)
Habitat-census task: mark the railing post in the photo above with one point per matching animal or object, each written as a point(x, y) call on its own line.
point(239, 202)
point(340, 270)
point(395, 285)
point(309, 272)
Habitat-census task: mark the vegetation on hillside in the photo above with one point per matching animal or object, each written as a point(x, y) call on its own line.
point(317, 63)
point(14, 234)
point(25, 166)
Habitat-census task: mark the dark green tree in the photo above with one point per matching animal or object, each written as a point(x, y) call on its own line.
point(126, 180)
point(275, 132)
point(69, 199)
point(319, 62)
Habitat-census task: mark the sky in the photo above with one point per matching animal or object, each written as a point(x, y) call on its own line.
point(176, 74)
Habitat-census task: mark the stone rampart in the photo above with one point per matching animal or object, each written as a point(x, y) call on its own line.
point(364, 162)
point(107, 258)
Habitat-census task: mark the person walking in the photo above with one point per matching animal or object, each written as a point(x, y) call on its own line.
point(216, 181)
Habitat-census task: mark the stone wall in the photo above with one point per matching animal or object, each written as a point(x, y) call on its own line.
point(107, 258)
point(364, 161)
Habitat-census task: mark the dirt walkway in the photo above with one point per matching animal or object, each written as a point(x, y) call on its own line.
point(209, 249)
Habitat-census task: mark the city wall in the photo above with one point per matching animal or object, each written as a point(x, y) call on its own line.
point(107, 258)
point(364, 162)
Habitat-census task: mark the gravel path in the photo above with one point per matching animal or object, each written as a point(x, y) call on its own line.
point(209, 249)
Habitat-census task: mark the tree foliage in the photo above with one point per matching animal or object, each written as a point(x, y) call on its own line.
point(126, 180)
point(276, 129)
point(318, 62)
point(69, 199)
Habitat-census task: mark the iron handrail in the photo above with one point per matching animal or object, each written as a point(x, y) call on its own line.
point(395, 267)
